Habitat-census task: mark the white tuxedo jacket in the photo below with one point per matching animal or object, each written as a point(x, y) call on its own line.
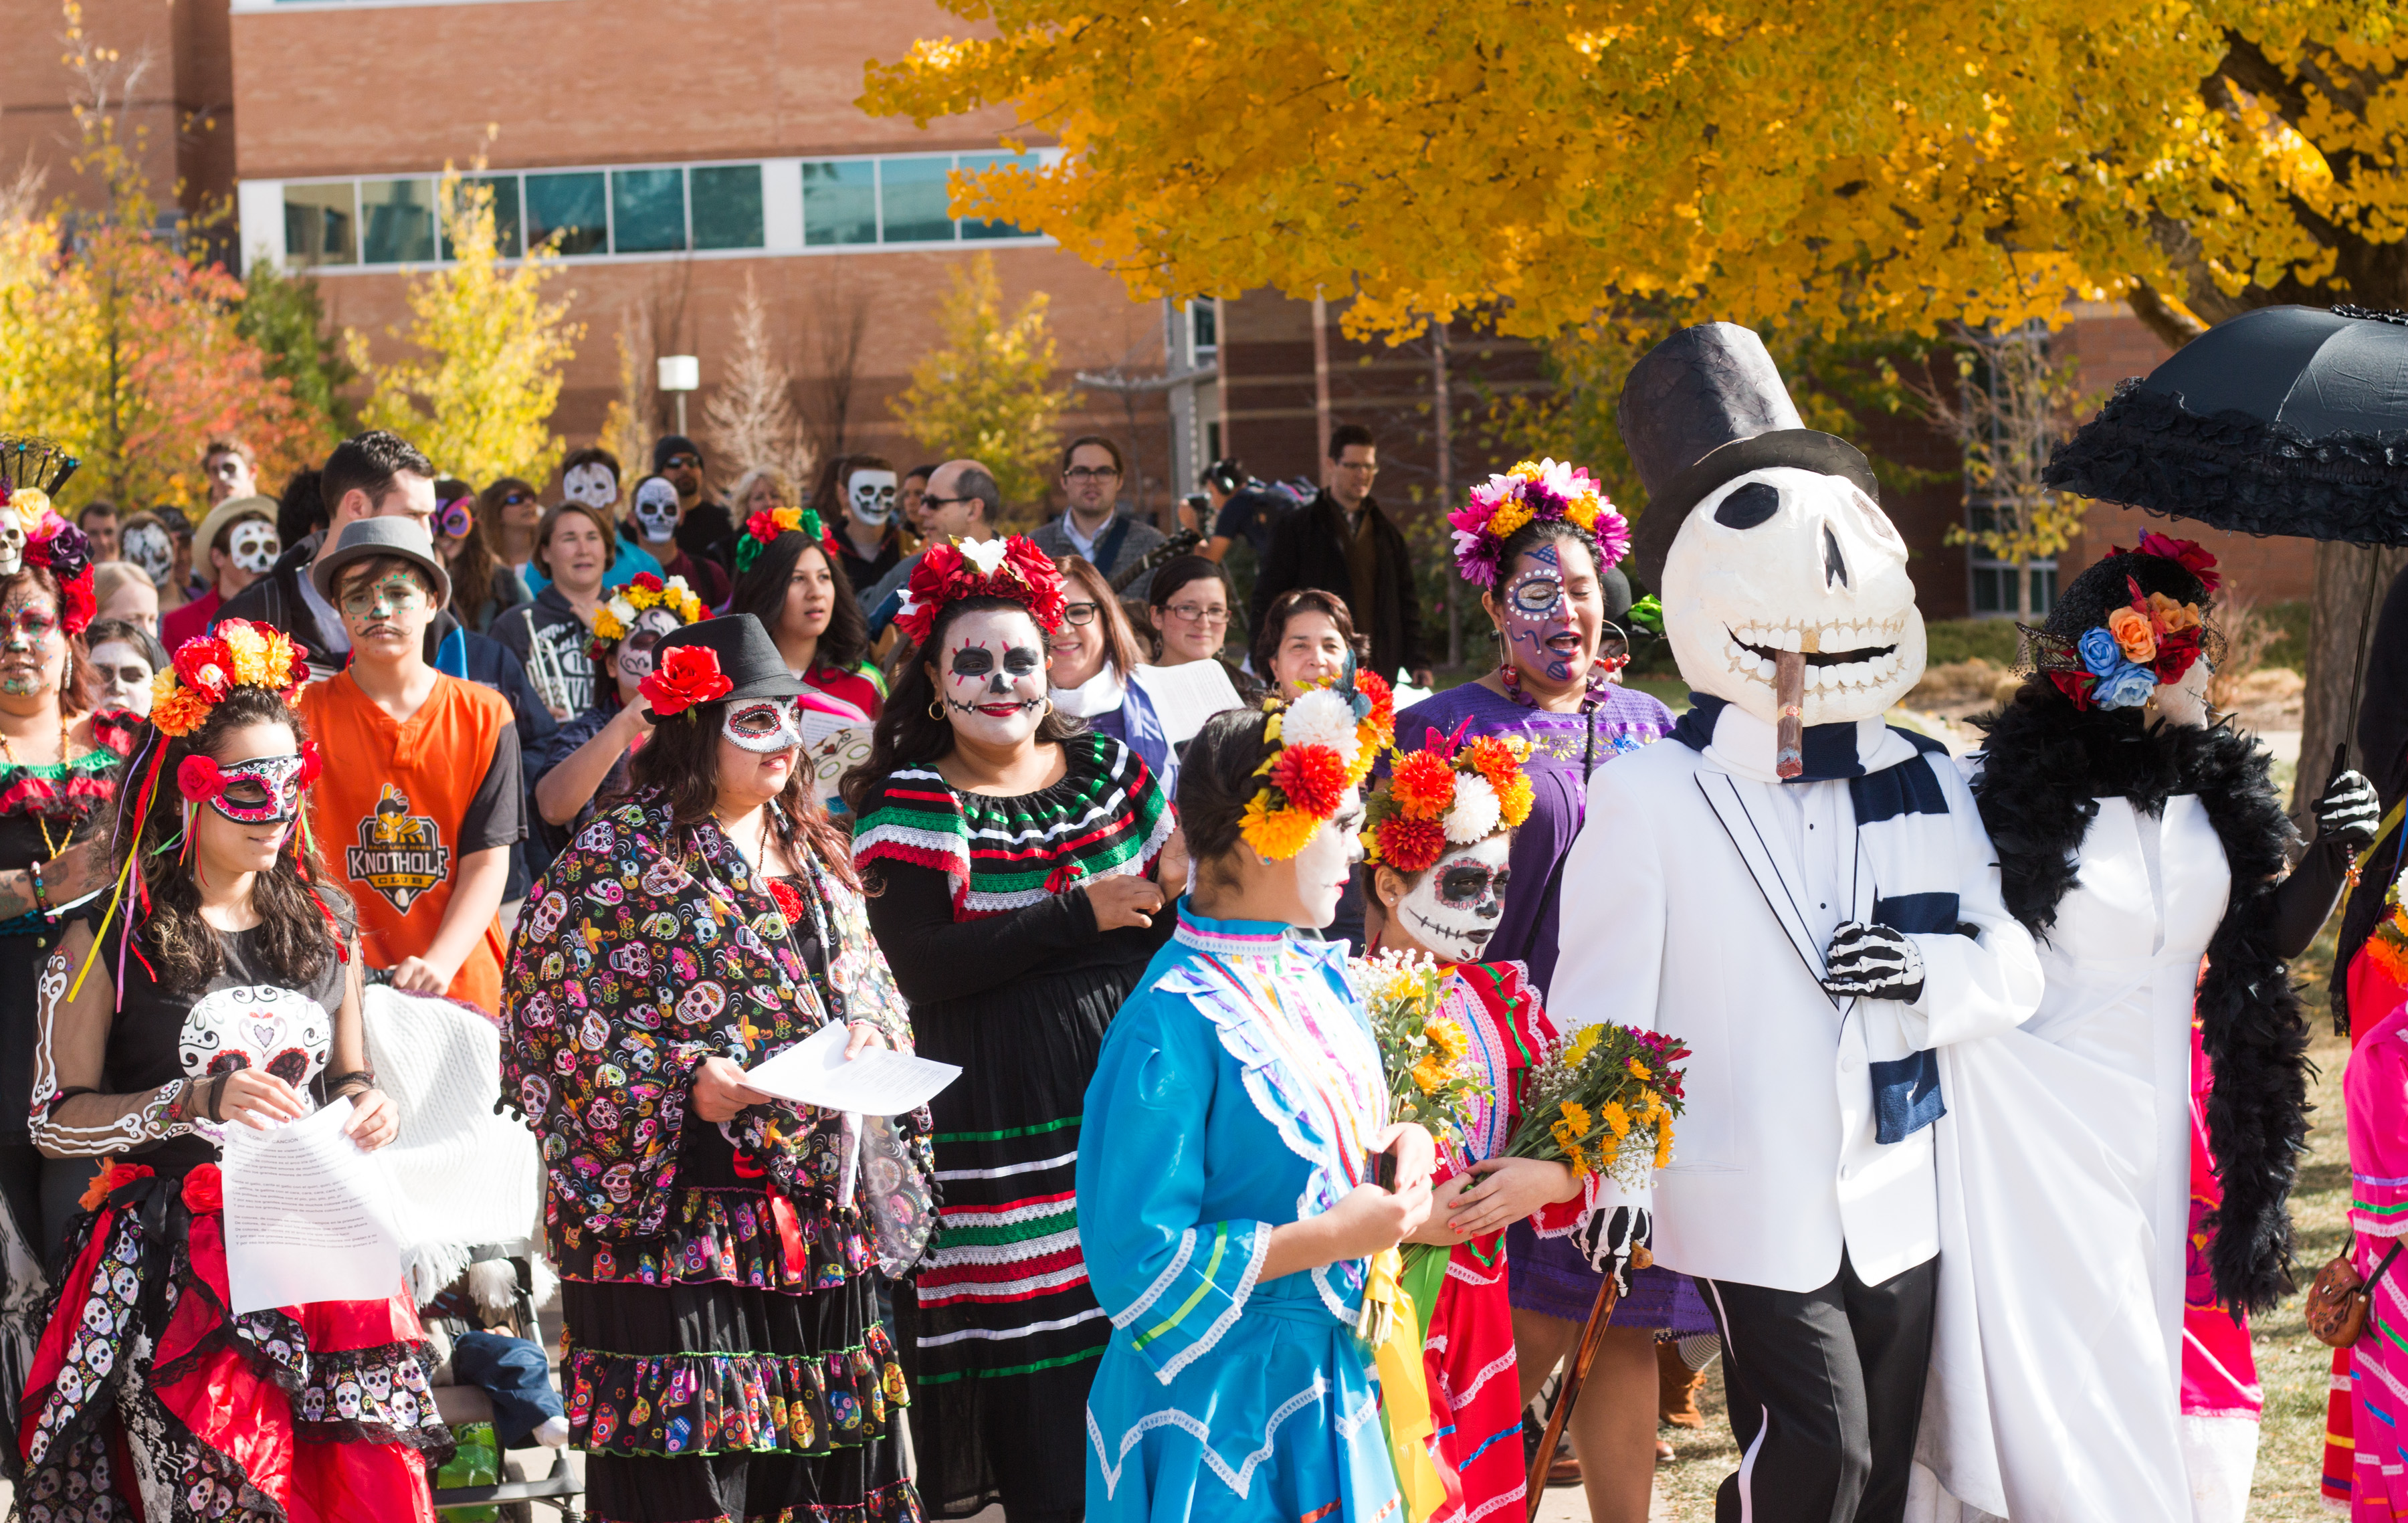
point(1670, 922)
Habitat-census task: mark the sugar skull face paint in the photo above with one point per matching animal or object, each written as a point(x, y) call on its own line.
point(763, 726)
point(992, 676)
point(593, 485)
point(1548, 610)
point(148, 546)
point(870, 496)
point(253, 546)
point(121, 676)
point(1454, 909)
point(636, 648)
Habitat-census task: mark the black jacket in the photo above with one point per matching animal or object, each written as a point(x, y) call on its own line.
point(1308, 549)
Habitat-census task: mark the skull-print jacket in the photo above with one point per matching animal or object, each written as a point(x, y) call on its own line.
point(647, 948)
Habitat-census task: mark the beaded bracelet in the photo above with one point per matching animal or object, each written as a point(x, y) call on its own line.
point(41, 892)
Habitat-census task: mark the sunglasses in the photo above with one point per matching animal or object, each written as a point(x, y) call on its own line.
point(516, 500)
point(682, 462)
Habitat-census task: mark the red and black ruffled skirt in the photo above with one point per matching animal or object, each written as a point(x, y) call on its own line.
point(148, 1399)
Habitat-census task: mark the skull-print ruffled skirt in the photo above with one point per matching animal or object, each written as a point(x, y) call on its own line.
point(733, 1368)
point(149, 1399)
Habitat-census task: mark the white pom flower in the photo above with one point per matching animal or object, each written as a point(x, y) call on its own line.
point(1321, 718)
point(1475, 813)
point(622, 611)
point(986, 555)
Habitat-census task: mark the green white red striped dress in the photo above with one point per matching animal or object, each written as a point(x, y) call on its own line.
point(976, 902)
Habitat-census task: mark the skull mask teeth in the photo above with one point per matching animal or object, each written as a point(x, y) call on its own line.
point(12, 543)
point(1788, 560)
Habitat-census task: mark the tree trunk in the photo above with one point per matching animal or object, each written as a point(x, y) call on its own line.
point(2337, 633)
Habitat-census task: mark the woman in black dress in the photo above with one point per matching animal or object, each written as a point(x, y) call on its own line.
point(1017, 866)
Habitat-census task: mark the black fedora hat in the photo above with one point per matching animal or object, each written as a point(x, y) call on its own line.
point(748, 657)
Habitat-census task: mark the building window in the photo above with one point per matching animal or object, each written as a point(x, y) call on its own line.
point(319, 221)
point(912, 198)
point(727, 207)
point(975, 228)
point(506, 213)
point(1204, 324)
point(571, 208)
point(839, 203)
point(647, 211)
point(397, 222)
point(1994, 587)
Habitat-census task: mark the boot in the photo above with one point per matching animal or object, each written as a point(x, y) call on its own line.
point(1676, 1390)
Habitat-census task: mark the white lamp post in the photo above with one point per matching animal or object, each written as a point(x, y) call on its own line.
point(680, 373)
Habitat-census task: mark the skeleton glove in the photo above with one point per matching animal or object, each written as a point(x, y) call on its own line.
point(1874, 962)
point(2349, 813)
point(1607, 1238)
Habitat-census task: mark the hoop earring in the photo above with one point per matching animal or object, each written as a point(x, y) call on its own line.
point(936, 707)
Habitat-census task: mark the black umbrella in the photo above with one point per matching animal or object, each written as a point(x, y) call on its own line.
point(2285, 419)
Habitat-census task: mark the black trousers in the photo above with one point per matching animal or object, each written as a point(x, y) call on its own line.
point(1824, 1389)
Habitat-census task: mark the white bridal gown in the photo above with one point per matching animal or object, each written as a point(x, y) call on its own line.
point(2064, 1168)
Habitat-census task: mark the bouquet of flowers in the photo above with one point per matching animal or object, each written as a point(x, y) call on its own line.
point(1421, 1048)
point(1603, 1101)
point(2388, 944)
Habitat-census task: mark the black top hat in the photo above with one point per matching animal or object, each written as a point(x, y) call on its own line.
point(1704, 407)
point(747, 656)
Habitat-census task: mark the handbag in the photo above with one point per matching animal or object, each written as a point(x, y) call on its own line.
point(2339, 1300)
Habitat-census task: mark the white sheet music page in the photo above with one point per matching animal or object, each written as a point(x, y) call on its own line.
point(308, 1216)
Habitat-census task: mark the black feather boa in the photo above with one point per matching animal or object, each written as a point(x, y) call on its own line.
point(2046, 765)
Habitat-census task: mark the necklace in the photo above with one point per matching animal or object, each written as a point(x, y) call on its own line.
point(41, 822)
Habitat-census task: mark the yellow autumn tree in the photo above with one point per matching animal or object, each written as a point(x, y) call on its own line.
point(479, 396)
point(987, 392)
point(1890, 166)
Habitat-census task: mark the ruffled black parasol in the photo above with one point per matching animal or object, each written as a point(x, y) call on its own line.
point(2286, 420)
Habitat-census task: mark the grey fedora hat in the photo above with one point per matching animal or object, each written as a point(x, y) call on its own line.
point(371, 537)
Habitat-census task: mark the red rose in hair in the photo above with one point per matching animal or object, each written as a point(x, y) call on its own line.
point(2076, 685)
point(1409, 846)
point(76, 604)
point(198, 778)
point(648, 581)
point(2175, 653)
point(205, 1189)
point(1036, 572)
point(688, 675)
point(1312, 777)
point(205, 667)
point(2189, 554)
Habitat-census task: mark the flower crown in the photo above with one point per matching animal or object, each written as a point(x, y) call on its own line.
point(207, 668)
point(617, 615)
point(1013, 568)
point(762, 530)
point(2150, 640)
point(1322, 745)
point(53, 544)
point(1447, 794)
point(1529, 492)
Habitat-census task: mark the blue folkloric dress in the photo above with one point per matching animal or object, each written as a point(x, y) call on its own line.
point(1238, 1089)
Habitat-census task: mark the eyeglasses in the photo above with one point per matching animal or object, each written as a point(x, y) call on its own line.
point(1369, 468)
point(1197, 613)
point(1092, 473)
point(1081, 614)
point(682, 462)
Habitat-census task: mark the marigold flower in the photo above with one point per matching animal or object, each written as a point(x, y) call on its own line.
point(175, 709)
point(1276, 835)
point(1513, 803)
point(1448, 1038)
point(1511, 515)
point(2133, 632)
point(1423, 786)
point(1409, 845)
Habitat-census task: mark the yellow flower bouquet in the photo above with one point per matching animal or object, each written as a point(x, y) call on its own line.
point(1421, 1047)
point(1603, 1101)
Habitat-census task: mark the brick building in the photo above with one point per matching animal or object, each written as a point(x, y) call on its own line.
point(680, 151)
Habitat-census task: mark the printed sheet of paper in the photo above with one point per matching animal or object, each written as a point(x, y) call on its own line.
point(1187, 696)
point(878, 1083)
point(308, 1216)
point(830, 747)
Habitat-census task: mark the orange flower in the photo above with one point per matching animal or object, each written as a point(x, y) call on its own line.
point(1494, 760)
point(2133, 632)
point(2170, 616)
point(1424, 786)
point(1514, 801)
point(110, 1178)
point(1312, 777)
point(176, 710)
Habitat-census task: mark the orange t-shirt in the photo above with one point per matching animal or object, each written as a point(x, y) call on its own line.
point(398, 805)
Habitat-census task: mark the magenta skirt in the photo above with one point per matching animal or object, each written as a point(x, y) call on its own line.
point(1549, 1276)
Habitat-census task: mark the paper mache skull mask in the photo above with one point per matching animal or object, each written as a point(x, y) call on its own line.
point(656, 509)
point(1763, 538)
point(592, 484)
point(870, 496)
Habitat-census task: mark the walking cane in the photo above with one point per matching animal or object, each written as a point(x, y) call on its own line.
point(1600, 1313)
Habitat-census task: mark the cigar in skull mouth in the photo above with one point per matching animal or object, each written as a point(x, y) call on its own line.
point(1789, 694)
